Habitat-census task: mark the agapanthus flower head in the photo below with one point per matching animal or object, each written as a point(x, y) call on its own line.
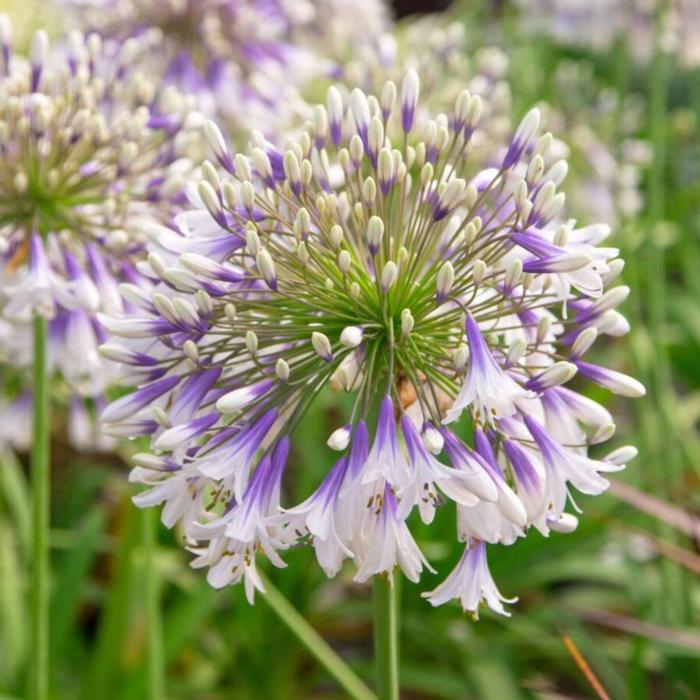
point(91, 151)
point(246, 62)
point(436, 293)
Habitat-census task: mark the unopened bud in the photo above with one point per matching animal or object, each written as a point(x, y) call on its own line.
point(390, 274)
point(339, 439)
point(344, 261)
point(266, 267)
point(190, 349)
point(445, 280)
point(460, 357)
point(351, 336)
point(432, 439)
point(407, 322)
point(375, 232)
point(515, 351)
point(252, 240)
point(282, 370)
point(251, 342)
point(322, 346)
point(583, 341)
point(478, 271)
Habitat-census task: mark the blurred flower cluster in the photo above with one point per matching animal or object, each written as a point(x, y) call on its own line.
point(599, 24)
point(247, 63)
point(92, 151)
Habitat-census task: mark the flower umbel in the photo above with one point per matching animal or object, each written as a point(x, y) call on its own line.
point(90, 153)
point(431, 290)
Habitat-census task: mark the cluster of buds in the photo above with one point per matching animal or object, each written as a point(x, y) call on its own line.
point(90, 150)
point(372, 256)
point(437, 50)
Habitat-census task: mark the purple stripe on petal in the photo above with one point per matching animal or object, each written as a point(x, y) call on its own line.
point(127, 405)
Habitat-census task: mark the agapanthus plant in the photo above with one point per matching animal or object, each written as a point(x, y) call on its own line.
point(91, 149)
point(371, 257)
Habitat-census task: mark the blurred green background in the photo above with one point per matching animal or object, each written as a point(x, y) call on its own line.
point(622, 592)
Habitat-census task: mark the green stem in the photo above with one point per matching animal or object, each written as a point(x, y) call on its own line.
point(39, 667)
point(386, 642)
point(156, 663)
point(315, 644)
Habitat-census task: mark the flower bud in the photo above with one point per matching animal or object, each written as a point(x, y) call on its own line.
point(351, 336)
point(282, 370)
point(555, 375)
point(242, 167)
point(189, 347)
point(217, 143)
point(478, 271)
point(583, 341)
point(407, 322)
point(262, 165)
point(375, 232)
point(344, 262)
point(211, 200)
point(445, 280)
point(252, 240)
point(515, 351)
point(432, 439)
point(266, 267)
point(460, 357)
point(334, 105)
point(292, 171)
point(390, 274)
point(388, 98)
point(385, 170)
point(322, 346)
point(339, 439)
point(303, 254)
point(251, 342)
point(410, 87)
point(336, 236)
